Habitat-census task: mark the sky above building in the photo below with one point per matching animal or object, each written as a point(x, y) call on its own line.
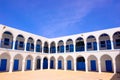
point(55, 18)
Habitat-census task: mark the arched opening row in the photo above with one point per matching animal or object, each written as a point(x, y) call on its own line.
point(106, 63)
point(104, 43)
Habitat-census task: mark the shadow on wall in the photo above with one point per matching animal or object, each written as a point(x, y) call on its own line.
point(116, 76)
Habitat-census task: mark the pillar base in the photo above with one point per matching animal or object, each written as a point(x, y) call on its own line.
point(86, 71)
point(10, 71)
point(99, 72)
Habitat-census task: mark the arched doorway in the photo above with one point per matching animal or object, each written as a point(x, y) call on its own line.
point(60, 62)
point(4, 62)
point(45, 63)
point(70, 63)
point(38, 63)
point(80, 63)
point(92, 63)
point(29, 60)
point(52, 63)
point(17, 66)
point(106, 63)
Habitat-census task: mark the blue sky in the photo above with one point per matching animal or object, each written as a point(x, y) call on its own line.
point(55, 18)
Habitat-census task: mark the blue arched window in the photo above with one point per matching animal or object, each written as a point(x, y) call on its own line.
point(19, 44)
point(104, 41)
point(7, 40)
point(46, 49)
point(69, 45)
point(116, 40)
point(80, 44)
point(38, 46)
point(30, 44)
point(52, 47)
point(60, 46)
point(91, 43)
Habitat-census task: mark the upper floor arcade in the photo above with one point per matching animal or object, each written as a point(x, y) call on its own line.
point(14, 39)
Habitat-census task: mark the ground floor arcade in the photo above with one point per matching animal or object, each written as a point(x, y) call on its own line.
point(99, 62)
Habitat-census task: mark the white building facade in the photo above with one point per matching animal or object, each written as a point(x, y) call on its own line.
point(92, 51)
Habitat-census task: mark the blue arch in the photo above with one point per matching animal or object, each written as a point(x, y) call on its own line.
point(3, 65)
point(46, 49)
point(93, 65)
point(39, 46)
point(61, 48)
point(19, 43)
point(80, 63)
point(6, 41)
point(80, 44)
point(69, 65)
point(69, 47)
point(38, 65)
point(59, 64)
point(30, 46)
point(91, 45)
point(28, 66)
point(45, 63)
point(16, 65)
point(105, 44)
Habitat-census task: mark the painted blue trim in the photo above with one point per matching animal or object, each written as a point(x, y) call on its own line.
point(93, 65)
point(108, 64)
point(59, 64)
point(69, 65)
point(3, 65)
point(16, 65)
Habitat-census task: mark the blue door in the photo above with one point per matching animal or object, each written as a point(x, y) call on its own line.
point(28, 67)
point(93, 65)
point(69, 65)
point(80, 65)
point(51, 64)
point(16, 65)
point(108, 65)
point(3, 65)
point(38, 63)
point(45, 64)
point(59, 64)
